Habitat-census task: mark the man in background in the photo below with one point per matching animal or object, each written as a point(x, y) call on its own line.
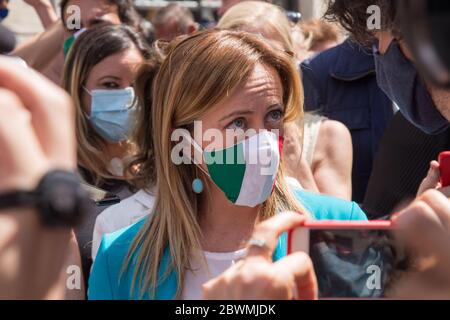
point(172, 21)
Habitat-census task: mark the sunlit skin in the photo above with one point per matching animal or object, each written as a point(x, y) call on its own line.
point(114, 72)
point(95, 11)
point(256, 105)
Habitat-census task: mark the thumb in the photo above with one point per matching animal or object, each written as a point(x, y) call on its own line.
point(431, 181)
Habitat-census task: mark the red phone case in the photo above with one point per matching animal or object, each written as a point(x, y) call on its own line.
point(345, 225)
point(444, 168)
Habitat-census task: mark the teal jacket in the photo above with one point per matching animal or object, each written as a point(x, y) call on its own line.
point(107, 281)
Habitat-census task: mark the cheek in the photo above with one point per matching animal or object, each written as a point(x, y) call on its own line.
point(86, 104)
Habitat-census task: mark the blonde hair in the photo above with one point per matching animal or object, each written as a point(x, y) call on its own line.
point(198, 72)
point(260, 16)
point(318, 32)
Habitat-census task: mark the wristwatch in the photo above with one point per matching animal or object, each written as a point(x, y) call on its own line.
point(59, 199)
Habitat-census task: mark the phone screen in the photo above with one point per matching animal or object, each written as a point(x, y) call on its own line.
point(101, 197)
point(353, 263)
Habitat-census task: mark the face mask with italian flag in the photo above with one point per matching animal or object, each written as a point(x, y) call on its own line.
point(246, 172)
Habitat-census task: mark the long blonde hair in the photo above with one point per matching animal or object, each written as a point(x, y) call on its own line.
point(198, 72)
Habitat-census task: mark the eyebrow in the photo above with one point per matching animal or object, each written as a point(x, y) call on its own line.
point(247, 112)
point(109, 77)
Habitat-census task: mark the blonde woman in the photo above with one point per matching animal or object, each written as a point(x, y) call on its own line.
point(205, 214)
point(321, 156)
point(99, 75)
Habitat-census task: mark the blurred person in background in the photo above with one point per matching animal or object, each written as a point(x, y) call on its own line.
point(7, 38)
point(172, 21)
point(340, 84)
point(320, 156)
point(45, 52)
point(99, 75)
point(320, 35)
point(45, 11)
point(406, 152)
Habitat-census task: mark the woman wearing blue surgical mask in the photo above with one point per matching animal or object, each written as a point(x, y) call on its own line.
point(99, 75)
point(211, 190)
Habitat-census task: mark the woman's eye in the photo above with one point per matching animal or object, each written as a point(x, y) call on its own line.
point(237, 124)
point(275, 116)
point(110, 85)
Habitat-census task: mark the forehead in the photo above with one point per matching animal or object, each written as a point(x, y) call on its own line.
point(126, 61)
point(262, 89)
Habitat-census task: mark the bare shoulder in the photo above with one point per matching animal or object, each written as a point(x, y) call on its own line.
point(333, 135)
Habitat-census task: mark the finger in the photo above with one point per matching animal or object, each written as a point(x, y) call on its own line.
point(300, 266)
point(270, 230)
point(22, 160)
point(431, 181)
point(50, 107)
point(440, 204)
point(420, 227)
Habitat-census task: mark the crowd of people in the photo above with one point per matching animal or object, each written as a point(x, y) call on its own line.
point(103, 107)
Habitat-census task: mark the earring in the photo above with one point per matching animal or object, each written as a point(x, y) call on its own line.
point(197, 186)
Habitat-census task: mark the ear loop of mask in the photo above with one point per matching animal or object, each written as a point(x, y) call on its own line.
point(90, 94)
point(191, 142)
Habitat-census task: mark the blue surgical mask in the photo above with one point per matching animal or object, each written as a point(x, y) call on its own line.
point(3, 13)
point(399, 79)
point(112, 113)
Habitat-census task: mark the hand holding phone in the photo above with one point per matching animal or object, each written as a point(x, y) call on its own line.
point(351, 259)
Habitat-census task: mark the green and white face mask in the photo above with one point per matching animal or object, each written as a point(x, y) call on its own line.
point(245, 172)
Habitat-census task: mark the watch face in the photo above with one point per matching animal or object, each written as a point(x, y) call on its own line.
point(61, 199)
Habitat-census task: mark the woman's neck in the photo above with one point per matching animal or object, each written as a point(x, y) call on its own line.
point(117, 150)
point(225, 226)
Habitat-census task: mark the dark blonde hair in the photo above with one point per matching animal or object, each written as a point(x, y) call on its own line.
point(198, 72)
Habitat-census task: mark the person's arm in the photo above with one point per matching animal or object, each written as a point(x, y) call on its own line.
point(45, 11)
point(333, 160)
point(295, 163)
point(42, 49)
point(31, 255)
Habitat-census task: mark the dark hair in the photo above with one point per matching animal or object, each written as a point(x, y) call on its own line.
point(352, 15)
point(90, 48)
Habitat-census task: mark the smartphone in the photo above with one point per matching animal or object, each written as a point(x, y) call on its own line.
point(444, 168)
point(351, 259)
point(102, 198)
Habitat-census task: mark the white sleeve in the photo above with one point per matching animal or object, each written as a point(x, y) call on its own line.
point(100, 229)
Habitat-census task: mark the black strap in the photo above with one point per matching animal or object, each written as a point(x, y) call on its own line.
point(17, 199)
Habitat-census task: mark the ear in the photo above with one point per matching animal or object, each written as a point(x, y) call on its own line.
point(192, 28)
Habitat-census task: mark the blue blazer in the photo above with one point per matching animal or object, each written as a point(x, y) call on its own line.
point(341, 84)
point(107, 281)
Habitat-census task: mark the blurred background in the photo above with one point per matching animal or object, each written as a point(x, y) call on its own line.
point(24, 21)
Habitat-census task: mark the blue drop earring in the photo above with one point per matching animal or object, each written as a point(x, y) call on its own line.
point(197, 186)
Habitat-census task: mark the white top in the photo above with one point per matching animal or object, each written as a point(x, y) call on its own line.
point(216, 264)
point(312, 123)
point(121, 215)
